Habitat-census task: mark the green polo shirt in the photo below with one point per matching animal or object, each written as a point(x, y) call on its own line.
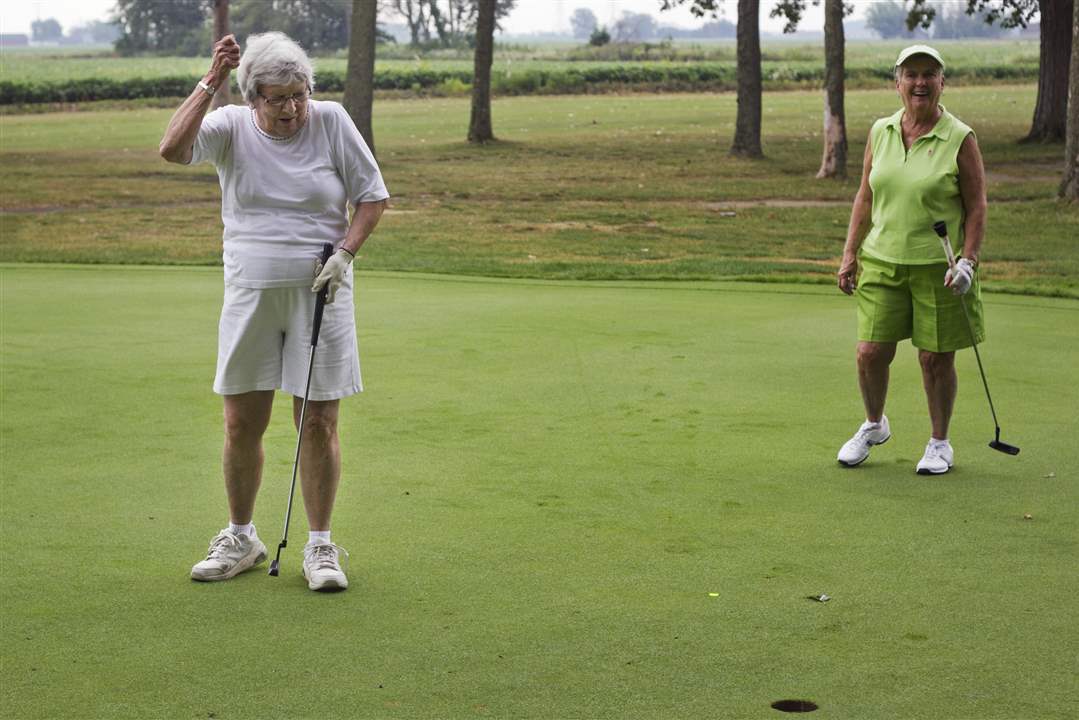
point(912, 189)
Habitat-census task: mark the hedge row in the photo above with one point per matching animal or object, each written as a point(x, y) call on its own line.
point(521, 82)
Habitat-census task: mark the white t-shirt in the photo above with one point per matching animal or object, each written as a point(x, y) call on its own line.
point(281, 199)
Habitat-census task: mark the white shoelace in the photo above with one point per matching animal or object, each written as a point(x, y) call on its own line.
point(319, 557)
point(865, 429)
point(935, 449)
point(220, 546)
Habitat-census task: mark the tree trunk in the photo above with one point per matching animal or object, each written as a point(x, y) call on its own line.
point(1069, 188)
point(833, 163)
point(222, 95)
point(1051, 108)
point(360, 76)
point(747, 127)
point(479, 127)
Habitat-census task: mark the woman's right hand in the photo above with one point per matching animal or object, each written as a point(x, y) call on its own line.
point(226, 57)
point(848, 271)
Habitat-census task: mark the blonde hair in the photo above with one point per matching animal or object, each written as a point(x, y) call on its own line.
point(272, 58)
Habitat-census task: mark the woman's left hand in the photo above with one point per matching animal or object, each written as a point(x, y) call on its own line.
point(332, 274)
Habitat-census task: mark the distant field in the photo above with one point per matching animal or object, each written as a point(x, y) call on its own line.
point(964, 55)
point(580, 187)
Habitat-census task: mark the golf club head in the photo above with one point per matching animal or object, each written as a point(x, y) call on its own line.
point(1004, 447)
point(273, 569)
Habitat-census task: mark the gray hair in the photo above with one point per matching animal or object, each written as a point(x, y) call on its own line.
point(272, 58)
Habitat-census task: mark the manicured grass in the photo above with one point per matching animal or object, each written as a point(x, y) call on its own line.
point(544, 485)
point(585, 187)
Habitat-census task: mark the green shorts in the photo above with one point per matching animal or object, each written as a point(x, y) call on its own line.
point(896, 302)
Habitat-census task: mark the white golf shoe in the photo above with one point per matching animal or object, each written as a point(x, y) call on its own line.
point(322, 566)
point(228, 556)
point(938, 458)
point(856, 450)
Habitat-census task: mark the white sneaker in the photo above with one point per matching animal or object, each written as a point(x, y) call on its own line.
point(938, 458)
point(322, 567)
point(856, 450)
point(228, 556)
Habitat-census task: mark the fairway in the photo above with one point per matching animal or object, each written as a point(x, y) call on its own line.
point(562, 499)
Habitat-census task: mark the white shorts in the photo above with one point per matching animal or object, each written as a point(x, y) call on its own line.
point(264, 341)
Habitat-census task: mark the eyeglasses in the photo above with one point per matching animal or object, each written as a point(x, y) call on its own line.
point(280, 100)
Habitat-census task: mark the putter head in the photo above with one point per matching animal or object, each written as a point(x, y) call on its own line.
point(1004, 447)
point(273, 569)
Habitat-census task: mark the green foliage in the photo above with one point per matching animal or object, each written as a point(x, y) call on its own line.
point(317, 25)
point(537, 78)
point(48, 30)
point(162, 27)
point(599, 37)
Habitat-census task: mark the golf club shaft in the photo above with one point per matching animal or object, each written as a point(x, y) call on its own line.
point(299, 439)
point(946, 242)
point(316, 325)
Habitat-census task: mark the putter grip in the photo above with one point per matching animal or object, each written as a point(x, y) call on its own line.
point(320, 300)
point(941, 229)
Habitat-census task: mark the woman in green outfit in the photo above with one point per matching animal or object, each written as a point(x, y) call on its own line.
point(921, 165)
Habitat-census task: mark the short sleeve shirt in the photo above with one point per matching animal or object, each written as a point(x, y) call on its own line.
point(283, 198)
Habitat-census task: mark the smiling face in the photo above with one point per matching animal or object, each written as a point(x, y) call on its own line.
point(920, 82)
point(282, 119)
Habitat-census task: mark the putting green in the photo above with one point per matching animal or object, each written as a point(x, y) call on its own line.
point(562, 500)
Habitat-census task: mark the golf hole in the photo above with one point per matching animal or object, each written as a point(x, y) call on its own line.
point(793, 706)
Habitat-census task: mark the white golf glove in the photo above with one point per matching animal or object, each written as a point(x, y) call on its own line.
point(333, 273)
point(960, 277)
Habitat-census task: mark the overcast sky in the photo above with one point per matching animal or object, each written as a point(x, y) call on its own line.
point(528, 17)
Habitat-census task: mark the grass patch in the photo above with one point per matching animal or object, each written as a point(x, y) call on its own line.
point(544, 485)
point(607, 187)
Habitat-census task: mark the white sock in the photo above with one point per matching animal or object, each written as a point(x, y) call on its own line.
point(938, 441)
point(248, 529)
point(318, 536)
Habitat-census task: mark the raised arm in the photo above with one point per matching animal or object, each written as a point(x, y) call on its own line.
point(860, 216)
point(179, 139)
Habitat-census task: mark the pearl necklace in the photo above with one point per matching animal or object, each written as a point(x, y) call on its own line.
point(276, 138)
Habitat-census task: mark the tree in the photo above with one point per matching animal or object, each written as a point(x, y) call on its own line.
point(1069, 187)
point(48, 30)
point(1051, 107)
point(479, 126)
point(360, 77)
point(633, 27)
point(452, 21)
point(317, 25)
point(221, 29)
point(599, 37)
point(95, 31)
point(956, 23)
point(834, 158)
point(887, 19)
point(747, 126)
point(584, 23)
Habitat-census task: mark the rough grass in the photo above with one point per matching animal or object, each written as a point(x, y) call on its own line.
point(561, 500)
point(634, 187)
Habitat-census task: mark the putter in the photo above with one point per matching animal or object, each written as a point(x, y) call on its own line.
point(320, 305)
point(941, 228)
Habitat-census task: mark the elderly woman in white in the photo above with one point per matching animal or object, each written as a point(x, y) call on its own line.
point(289, 168)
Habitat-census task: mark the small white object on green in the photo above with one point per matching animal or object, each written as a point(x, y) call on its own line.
point(713, 594)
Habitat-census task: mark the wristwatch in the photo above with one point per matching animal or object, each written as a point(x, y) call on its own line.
point(208, 89)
